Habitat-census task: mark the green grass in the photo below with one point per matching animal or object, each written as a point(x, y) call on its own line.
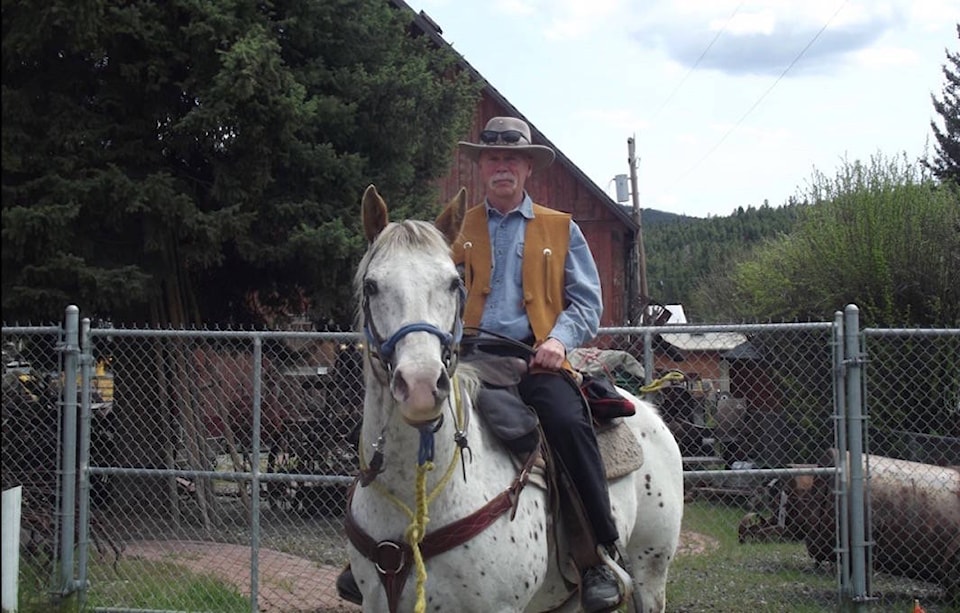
point(731, 577)
point(141, 585)
point(161, 585)
point(770, 576)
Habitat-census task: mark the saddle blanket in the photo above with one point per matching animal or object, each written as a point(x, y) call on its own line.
point(619, 448)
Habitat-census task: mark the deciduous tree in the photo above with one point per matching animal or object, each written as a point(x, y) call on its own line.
point(880, 235)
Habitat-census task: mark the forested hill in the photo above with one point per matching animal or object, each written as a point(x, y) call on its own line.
point(682, 250)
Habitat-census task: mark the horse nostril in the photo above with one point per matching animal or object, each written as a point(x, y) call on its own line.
point(443, 384)
point(400, 389)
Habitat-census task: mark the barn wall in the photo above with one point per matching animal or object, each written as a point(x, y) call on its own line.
point(558, 188)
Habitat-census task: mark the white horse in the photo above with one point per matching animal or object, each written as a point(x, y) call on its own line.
point(440, 519)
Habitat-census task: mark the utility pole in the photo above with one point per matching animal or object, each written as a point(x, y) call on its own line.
point(641, 256)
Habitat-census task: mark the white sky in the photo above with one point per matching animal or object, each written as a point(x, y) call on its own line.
point(720, 116)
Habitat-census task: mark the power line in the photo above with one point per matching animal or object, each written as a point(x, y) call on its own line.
point(697, 63)
point(763, 95)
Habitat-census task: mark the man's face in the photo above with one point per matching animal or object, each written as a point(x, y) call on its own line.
point(504, 173)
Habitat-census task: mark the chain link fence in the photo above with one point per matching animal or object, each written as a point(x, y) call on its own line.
point(31, 396)
point(218, 461)
point(912, 399)
point(234, 449)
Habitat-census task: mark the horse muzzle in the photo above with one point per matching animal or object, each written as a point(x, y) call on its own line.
point(421, 389)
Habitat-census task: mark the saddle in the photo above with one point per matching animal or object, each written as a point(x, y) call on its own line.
point(515, 423)
point(517, 426)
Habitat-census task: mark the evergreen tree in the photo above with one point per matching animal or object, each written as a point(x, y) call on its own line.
point(179, 162)
point(682, 251)
point(946, 166)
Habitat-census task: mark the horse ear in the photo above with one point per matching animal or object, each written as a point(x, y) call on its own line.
point(374, 213)
point(451, 219)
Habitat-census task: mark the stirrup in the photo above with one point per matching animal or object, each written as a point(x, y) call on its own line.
point(625, 579)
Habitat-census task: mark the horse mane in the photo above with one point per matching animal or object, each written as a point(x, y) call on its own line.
point(469, 378)
point(394, 238)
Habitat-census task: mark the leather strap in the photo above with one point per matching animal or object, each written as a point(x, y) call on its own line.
point(393, 559)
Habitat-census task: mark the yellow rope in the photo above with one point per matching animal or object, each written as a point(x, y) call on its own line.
point(415, 533)
point(417, 529)
point(443, 480)
point(658, 384)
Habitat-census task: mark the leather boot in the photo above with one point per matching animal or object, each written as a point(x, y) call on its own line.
point(347, 587)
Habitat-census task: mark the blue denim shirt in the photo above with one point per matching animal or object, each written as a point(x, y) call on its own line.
point(504, 310)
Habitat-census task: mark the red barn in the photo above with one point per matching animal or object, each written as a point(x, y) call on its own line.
point(610, 229)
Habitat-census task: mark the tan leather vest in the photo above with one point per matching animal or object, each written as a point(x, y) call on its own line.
point(546, 242)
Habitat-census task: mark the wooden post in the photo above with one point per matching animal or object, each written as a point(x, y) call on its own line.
point(641, 257)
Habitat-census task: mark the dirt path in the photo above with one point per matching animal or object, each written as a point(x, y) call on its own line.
point(289, 584)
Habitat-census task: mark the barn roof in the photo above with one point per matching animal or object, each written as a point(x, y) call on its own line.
point(697, 341)
point(430, 28)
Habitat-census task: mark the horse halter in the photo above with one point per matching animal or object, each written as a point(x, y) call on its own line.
point(383, 349)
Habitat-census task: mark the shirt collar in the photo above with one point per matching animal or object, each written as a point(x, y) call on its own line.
point(525, 207)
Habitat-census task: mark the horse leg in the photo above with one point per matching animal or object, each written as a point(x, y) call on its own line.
point(648, 566)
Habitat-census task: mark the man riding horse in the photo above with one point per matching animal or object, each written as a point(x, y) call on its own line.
point(530, 276)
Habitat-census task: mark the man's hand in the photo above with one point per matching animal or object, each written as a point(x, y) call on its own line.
point(550, 355)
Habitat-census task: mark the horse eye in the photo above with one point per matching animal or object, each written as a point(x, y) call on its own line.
point(455, 284)
point(370, 287)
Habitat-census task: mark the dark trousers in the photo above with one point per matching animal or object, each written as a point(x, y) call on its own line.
point(569, 430)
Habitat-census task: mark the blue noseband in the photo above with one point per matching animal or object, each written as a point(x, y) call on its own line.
point(383, 349)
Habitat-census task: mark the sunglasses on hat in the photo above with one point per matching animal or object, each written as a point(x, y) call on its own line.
point(508, 137)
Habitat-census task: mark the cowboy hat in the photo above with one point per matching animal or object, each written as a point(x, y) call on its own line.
point(509, 133)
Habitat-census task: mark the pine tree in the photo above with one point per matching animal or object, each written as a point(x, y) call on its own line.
point(180, 162)
point(946, 166)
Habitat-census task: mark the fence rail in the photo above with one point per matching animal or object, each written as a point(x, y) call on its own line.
point(172, 463)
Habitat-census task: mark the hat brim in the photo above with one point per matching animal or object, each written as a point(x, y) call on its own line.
point(540, 156)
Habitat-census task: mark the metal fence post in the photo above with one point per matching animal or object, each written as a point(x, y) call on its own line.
point(68, 474)
point(255, 477)
point(841, 506)
point(648, 356)
point(83, 517)
point(855, 434)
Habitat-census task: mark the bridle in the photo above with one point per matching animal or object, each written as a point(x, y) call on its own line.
point(383, 349)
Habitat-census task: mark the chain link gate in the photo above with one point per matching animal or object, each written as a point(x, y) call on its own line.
point(912, 455)
point(32, 359)
point(213, 464)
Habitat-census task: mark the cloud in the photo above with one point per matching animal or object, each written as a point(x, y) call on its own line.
point(887, 57)
point(620, 120)
point(559, 20)
point(518, 8)
point(575, 19)
point(765, 38)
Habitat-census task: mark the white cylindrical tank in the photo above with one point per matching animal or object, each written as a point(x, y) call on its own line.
point(914, 519)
